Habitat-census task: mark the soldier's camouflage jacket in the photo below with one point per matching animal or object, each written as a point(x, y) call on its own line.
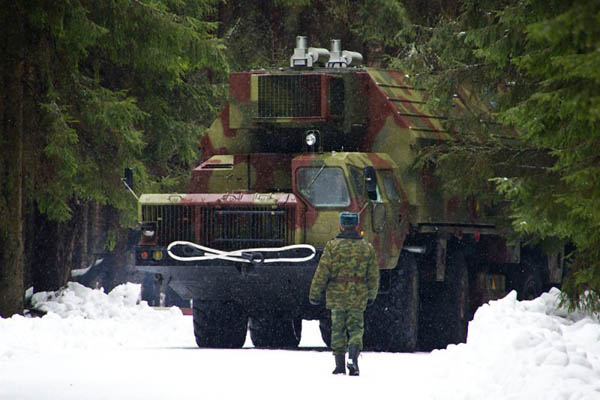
point(348, 272)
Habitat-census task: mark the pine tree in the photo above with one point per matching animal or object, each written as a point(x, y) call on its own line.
point(261, 33)
point(105, 85)
point(535, 63)
point(12, 68)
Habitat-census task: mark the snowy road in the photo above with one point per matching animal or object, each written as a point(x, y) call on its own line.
point(97, 346)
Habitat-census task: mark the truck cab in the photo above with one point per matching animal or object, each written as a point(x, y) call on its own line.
point(224, 212)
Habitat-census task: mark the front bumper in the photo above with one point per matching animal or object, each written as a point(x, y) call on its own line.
point(262, 287)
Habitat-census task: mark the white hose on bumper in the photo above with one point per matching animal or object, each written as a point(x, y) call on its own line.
point(238, 255)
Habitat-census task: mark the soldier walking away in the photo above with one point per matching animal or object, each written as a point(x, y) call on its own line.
point(349, 276)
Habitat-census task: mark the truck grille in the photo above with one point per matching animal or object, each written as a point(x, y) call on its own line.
point(247, 227)
point(223, 229)
point(173, 222)
point(289, 96)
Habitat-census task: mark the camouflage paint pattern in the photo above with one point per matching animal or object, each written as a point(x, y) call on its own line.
point(347, 273)
point(321, 223)
point(262, 173)
point(401, 126)
point(253, 160)
point(347, 328)
point(397, 121)
point(205, 212)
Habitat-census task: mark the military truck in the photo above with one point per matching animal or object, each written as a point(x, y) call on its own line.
point(293, 148)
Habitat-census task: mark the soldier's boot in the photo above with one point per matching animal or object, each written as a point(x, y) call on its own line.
point(353, 361)
point(340, 368)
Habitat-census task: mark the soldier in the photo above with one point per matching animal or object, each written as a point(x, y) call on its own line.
point(349, 275)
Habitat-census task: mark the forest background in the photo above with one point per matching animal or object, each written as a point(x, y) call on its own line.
point(89, 87)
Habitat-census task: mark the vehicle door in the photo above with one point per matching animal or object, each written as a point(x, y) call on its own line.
point(396, 218)
point(326, 192)
point(374, 215)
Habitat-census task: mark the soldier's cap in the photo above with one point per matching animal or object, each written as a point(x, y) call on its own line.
point(349, 219)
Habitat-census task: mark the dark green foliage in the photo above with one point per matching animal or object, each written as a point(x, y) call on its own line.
point(106, 84)
point(121, 83)
point(535, 67)
point(261, 33)
point(112, 83)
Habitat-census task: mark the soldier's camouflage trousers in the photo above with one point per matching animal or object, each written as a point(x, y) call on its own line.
point(347, 328)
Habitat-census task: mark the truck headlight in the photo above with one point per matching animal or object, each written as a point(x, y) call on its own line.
point(312, 137)
point(148, 230)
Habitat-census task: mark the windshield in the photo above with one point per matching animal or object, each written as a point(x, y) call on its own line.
point(324, 186)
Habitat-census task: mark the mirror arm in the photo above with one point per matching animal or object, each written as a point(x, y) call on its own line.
point(130, 189)
point(128, 182)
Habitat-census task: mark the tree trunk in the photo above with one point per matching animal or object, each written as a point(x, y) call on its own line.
point(53, 259)
point(97, 231)
point(11, 164)
point(81, 255)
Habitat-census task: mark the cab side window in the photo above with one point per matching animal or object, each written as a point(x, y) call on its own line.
point(358, 181)
point(389, 184)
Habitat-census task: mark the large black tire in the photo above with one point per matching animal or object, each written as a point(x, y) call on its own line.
point(391, 323)
point(445, 306)
point(325, 328)
point(219, 324)
point(527, 281)
point(457, 306)
point(272, 332)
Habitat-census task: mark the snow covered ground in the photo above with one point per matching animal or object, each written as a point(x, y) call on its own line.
point(93, 345)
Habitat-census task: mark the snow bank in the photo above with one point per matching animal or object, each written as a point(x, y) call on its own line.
point(530, 350)
point(77, 300)
point(516, 350)
point(79, 318)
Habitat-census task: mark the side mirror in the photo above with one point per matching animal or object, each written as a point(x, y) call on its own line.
point(370, 182)
point(128, 179)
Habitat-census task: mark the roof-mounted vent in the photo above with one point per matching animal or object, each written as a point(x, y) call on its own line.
point(342, 59)
point(307, 57)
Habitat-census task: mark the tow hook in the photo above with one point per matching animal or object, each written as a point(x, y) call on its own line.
point(254, 257)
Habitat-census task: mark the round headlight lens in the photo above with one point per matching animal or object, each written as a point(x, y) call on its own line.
point(311, 139)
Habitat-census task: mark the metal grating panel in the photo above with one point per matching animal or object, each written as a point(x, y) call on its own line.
point(247, 227)
point(289, 96)
point(173, 222)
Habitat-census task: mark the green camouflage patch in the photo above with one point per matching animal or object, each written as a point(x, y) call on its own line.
point(347, 328)
point(347, 273)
